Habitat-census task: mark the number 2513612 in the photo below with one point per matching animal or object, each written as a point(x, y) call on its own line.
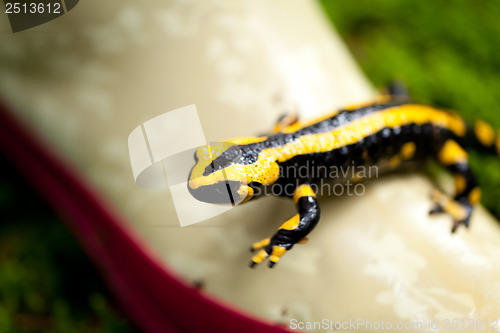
point(32, 8)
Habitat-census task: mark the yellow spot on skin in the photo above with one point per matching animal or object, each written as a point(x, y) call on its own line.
point(278, 251)
point(259, 257)
point(292, 223)
point(408, 150)
point(303, 191)
point(452, 153)
point(460, 183)
point(456, 210)
point(261, 244)
point(474, 196)
point(394, 162)
point(484, 133)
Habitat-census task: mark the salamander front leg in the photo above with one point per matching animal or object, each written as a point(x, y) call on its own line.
point(467, 194)
point(292, 231)
point(284, 121)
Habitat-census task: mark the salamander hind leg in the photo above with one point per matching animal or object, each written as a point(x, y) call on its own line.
point(292, 231)
point(467, 194)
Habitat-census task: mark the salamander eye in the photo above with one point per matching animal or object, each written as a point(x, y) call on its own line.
point(218, 164)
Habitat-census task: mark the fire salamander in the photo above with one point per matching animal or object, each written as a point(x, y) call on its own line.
point(389, 135)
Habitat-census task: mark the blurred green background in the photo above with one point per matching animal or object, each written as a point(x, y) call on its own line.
point(447, 54)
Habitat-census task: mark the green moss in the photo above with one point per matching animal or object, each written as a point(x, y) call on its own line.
point(446, 53)
point(47, 283)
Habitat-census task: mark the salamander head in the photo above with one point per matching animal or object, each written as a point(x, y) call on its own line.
point(219, 175)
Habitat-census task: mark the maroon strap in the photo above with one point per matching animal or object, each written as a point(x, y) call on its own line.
point(150, 294)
